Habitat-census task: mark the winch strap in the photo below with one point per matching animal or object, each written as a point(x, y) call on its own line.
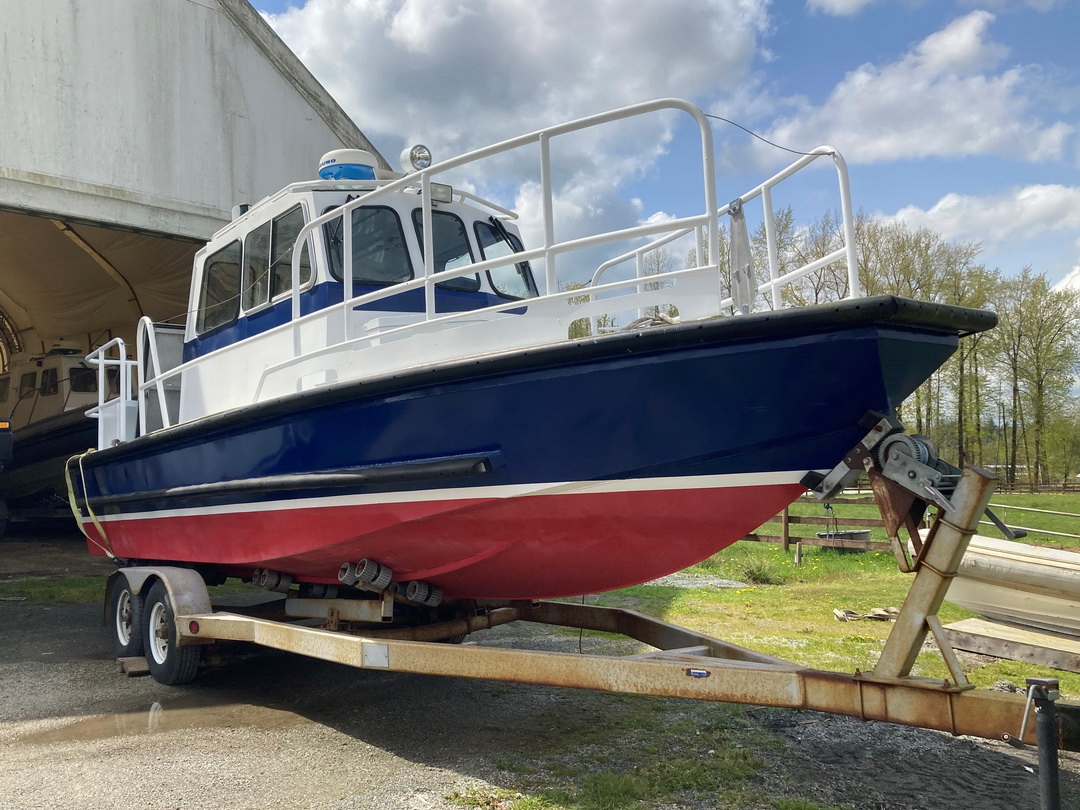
point(75, 508)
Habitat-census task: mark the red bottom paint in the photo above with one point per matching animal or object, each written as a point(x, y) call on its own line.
point(533, 547)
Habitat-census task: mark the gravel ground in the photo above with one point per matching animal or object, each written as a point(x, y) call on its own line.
point(260, 729)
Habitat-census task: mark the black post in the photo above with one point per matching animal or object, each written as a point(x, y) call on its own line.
point(1044, 694)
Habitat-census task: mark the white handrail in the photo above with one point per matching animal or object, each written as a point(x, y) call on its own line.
point(147, 336)
point(555, 305)
point(550, 248)
point(99, 357)
point(460, 316)
point(776, 281)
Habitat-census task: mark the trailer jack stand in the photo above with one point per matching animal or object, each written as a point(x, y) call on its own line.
point(1043, 692)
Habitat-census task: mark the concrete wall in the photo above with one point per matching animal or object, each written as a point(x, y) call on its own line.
point(154, 114)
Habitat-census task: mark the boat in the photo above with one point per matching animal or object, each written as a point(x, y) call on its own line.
point(382, 386)
point(1020, 584)
point(43, 399)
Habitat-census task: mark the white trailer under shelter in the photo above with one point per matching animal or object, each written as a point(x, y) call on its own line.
point(131, 130)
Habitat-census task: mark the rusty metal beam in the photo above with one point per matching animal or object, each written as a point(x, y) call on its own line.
point(935, 568)
point(907, 701)
point(655, 633)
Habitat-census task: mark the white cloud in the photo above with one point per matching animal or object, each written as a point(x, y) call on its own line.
point(1016, 215)
point(838, 8)
point(1009, 5)
point(462, 75)
point(948, 96)
point(1071, 280)
point(458, 76)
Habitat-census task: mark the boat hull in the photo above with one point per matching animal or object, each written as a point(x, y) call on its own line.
point(35, 471)
point(1020, 584)
point(527, 475)
point(483, 546)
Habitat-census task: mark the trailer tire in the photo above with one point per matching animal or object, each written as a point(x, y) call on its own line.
point(169, 663)
point(125, 612)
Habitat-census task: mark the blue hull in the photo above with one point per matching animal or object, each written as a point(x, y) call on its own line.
point(775, 393)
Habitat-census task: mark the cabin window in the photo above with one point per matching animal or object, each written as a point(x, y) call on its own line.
point(451, 244)
point(83, 380)
point(27, 384)
point(379, 255)
point(256, 267)
point(219, 295)
point(268, 259)
point(49, 385)
point(285, 230)
point(5, 388)
point(511, 280)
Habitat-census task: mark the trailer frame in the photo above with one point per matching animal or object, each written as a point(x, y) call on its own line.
point(685, 663)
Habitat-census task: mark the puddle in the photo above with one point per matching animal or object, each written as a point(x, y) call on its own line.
point(180, 714)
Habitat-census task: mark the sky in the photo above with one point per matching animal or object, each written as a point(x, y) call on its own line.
point(956, 115)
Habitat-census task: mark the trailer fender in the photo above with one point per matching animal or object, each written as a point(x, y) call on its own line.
point(186, 587)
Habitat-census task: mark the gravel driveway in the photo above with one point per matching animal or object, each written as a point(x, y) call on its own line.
point(264, 729)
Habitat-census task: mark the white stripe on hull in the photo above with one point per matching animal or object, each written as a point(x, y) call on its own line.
point(480, 493)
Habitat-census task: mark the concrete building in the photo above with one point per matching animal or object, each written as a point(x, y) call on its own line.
point(130, 130)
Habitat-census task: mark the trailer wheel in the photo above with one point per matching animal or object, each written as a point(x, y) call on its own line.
point(169, 664)
point(126, 612)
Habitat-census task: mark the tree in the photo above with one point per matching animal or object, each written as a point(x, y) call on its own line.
point(654, 263)
point(583, 327)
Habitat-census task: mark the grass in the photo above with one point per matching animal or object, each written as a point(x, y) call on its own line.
point(669, 753)
point(80, 590)
point(649, 752)
point(796, 622)
point(1065, 502)
point(66, 590)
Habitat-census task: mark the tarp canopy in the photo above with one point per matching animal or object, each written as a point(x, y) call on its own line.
point(74, 280)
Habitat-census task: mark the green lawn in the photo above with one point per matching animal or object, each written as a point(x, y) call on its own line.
point(793, 618)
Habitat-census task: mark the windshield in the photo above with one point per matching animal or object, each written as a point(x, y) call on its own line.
point(451, 246)
point(510, 280)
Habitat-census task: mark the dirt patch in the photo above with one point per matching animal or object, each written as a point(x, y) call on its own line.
point(49, 553)
point(875, 766)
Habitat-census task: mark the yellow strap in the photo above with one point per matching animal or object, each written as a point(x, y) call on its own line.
point(78, 513)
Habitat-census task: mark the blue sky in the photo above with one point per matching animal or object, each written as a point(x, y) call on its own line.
point(956, 115)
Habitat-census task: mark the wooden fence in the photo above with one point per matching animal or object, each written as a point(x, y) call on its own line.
point(1015, 488)
point(837, 532)
point(838, 528)
point(1027, 488)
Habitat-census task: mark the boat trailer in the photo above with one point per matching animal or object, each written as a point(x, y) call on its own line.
point(685, 664)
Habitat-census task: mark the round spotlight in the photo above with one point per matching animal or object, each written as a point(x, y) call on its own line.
point(415, 158)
